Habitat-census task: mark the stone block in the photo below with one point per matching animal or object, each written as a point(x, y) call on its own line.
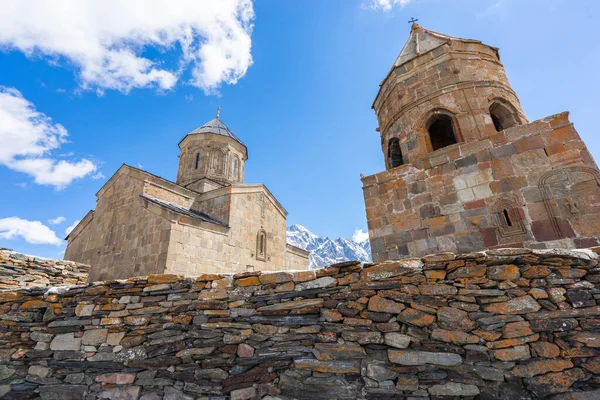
point(380, 304)
point(121, 393)
point(397, 340)
point(65, 341)
point(63, 392)
point(334, 367)
point(453, 389)
point(94, 337)
point(513, 354)
point(519, 305)
point(415, 357)
point(337, 351)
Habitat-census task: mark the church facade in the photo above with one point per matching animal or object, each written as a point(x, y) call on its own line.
point(465, 169)
point(208, 221)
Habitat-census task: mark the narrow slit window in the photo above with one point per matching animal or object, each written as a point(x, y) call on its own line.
point(507, 218)
point(197, 160)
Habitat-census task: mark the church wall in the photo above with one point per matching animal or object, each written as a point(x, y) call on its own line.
point(504, 324)
point(252, 211)
point(122, 232)
point(295, 259)
point(540, 176)
point(193, 250)
point(217, 204)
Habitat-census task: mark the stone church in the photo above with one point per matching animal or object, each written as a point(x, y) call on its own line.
point(465, 169)
point(208, 221)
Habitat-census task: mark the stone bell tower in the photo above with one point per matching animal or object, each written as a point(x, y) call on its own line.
point(465, 170)
point(211, 157)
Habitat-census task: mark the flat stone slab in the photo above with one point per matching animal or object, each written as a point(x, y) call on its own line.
point(415, 357)
point(292, 305)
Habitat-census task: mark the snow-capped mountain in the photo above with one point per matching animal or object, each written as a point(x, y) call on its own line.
point(325, 251)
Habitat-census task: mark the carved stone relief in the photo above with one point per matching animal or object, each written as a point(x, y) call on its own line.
point(572, 200)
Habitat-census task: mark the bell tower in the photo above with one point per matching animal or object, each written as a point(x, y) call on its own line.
point(440, 91)
point(464, 168)
point(210, 157)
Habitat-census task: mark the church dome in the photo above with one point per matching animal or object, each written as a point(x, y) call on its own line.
point(213, 152)
point(217, 127)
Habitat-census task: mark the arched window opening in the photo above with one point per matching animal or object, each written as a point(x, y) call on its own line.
point(261, 245)
point(197, 160)
point(503, 116)
point(441, 131)
point(507, 218)
point(394, 153)
point(235, 168)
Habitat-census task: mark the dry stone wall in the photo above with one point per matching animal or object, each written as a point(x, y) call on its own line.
point(503, 324)
point(19, 270)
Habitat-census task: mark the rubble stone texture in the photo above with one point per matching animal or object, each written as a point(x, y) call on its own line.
point(19, 270)
point(465, 170)
point(500, 324)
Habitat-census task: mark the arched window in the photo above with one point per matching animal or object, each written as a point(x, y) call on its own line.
point(197, 160)
point(441, 131)
point(235, 168)
point(503, 116)
point(261, 245)
point(394, 154)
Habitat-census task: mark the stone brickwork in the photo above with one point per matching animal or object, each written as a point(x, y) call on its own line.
point(500, 324)
point(19, 270)
point(465, 171)
point(459, 197)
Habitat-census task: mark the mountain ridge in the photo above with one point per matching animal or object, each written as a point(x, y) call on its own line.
point(325, 251)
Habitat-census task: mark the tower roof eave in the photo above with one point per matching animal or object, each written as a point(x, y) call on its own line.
point(216, 127)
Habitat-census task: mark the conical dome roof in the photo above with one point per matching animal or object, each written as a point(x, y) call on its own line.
point(217, 127)
point(422, 41)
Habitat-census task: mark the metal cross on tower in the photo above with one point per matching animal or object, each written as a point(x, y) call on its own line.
point(412, 20)
point(218, 112)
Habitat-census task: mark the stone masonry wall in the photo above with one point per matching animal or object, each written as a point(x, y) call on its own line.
point(504, 324)
point(19, 270)
point(533, 185)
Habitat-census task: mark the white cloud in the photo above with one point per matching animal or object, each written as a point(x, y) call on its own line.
point(105, 40)
point(360, 236)
point(98, 175)
point(28, 138)
point(71, 227)
point(386, 5)
point(33, 232)
point(56, 221)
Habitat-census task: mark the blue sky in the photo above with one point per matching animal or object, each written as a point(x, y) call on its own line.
point(295, 81)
